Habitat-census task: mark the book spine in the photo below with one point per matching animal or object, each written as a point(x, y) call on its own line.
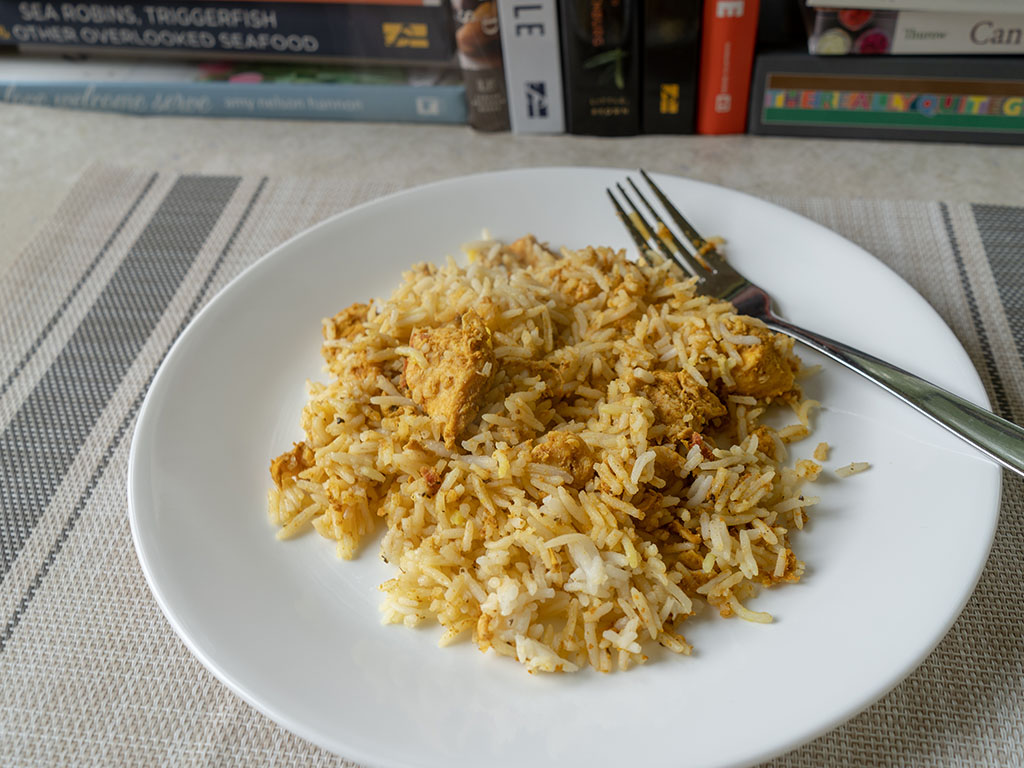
point(931, 98)
point(671, 58)
point(387, 103)
point(250, 28)
point(857, 31)
point(951, 6)
point(727, 56)
point(533, 65)
point(601, 66)
point(478, 43)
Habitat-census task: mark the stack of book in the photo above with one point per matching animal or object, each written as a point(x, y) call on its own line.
point(946, 70)
point(909, 69)
point(328, 59)
point(602, 67)
point(624, 67)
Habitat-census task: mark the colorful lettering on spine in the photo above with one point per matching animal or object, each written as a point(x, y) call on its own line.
point(926, 104)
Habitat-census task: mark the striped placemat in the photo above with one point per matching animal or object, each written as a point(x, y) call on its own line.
point(92, 673)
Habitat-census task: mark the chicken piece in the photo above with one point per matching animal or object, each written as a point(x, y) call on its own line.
point(531, 253)
point(650, 506)
point(433, 480)
point(351, 364)
point(552, 374)
point(290, 463)
point(707, 451)
point(574, 281)
point(575, 288)
point(489, 311)
point(346, 324)
point(460, 364)
point(765, 372)
point(680, 403)
point(567, 452)
point(358, 366)
point(523, 250)
point(765, 442)
point(667, 461)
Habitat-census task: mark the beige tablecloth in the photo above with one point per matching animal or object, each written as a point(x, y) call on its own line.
point(92, 673)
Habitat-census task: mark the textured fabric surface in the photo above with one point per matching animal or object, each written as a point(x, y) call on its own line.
point(92, 672)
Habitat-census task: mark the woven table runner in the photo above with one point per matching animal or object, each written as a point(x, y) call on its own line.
point(92, 673)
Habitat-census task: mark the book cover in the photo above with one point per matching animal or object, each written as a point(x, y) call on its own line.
point(781, 25)
point(841, 31)
point(478, 43)
point(601, 66)
point(727, 56)
point(533, 65)
point(228, 89)
point(956, 6)
point(671, 58)
point(365, 31)
point(937, 98)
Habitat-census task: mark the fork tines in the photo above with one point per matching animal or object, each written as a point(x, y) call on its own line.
point(699, 259)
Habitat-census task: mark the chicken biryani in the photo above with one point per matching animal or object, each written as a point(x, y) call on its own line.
point(569, 452)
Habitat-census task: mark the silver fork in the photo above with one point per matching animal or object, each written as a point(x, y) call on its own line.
point(998, 438)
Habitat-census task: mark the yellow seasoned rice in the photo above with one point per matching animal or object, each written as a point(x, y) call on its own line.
point(587, 562)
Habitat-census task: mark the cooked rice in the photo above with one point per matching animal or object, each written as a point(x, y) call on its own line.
point(853, 468)
point(558, 565)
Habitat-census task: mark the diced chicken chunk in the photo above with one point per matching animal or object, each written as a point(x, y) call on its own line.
point(681, 404)
point(359, 366)
point(766, 442)
point(530, 253)
point(460, 364)
point(523, 249)
point(290, 463)
point(575, 287)
point(342, 362)
point(433, 480)
point(346, 324)
point(567, 452)
point(765, 372)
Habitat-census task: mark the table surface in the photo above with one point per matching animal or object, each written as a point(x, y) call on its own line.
point(83, 629)
point(43, 151)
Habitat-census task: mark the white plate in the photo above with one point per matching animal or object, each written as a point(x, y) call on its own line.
point(892, 554)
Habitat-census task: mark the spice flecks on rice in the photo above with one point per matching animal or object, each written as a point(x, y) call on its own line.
point(567, 451)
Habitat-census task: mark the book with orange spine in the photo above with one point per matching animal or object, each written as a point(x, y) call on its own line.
point(726, 61)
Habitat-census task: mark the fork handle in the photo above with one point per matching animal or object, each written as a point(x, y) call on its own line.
point(996, 437)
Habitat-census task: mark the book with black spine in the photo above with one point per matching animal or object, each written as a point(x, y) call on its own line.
point(978, 99)
point(410, 32)
point(671, 59)
point(601, 60)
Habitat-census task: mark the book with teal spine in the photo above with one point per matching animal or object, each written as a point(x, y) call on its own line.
point(228, 89)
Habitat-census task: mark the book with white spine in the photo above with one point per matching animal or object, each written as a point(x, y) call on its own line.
point(533, 65)
point(950, 6)
point(841, 31)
